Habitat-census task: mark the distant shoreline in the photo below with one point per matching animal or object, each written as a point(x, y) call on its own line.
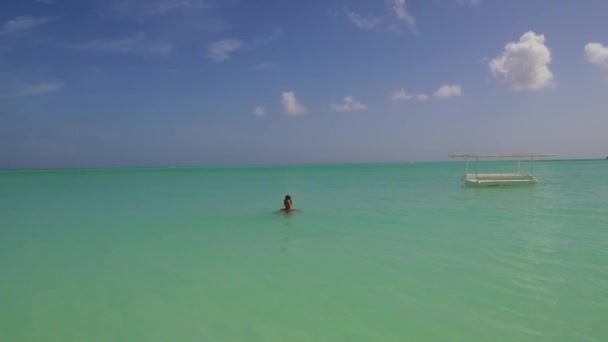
point(263, 166)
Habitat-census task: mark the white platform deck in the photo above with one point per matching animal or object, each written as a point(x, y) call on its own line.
point(498, 179)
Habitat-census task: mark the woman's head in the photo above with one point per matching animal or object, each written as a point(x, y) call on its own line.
point(287, 202)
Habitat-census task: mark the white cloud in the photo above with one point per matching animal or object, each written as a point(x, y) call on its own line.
point(446, 91)
point(525, 64)
point(400, 9)
point(259, 111)
point(221, 50)
point(291, 104)
point(366, 23)
point(22, 23)
point(37, 89)
point(597, 54)
point(349, 105)
point(402, 95)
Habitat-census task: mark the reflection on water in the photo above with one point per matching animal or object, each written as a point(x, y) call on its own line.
point(287, 228)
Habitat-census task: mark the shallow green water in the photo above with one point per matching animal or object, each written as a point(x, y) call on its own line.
point(378, 253)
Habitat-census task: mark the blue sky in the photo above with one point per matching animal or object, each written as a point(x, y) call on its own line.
point(129, 83)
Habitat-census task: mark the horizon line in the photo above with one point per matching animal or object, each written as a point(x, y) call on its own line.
point(257, 165)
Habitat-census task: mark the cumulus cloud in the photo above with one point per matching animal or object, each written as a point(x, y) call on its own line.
point(446, 91)
point(22, 23)
point(259, 111)
point(362, 22)
point(291, 104)
point(524, 65)
point(36, 89)
point(399, 7)
point(221, 50)
point(348, 105)
point(402, 95)
point(597, 54)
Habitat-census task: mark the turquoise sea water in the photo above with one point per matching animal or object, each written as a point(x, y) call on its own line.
point(399, 252)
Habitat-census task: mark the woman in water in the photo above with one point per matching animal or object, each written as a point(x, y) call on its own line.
point(287, 204)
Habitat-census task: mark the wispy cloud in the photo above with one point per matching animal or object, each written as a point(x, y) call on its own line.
point(159, 48)
point(259, 111)
point(22, 23)
point(469, 2)
point(265, 39)
point(597, 54)
point(37, 89)
point(124, 44)
point(524, 65)
point(221, 50)
point(402, 95)
point(397, 14)
point(349, 104)
point(400, 9)
point(134, 43)
point(263, 66)
point(142, 8)
point(447, 90)
point(366, 23)
point(291, 106)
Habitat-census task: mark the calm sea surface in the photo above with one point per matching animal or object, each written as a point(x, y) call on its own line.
point(399, 252)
